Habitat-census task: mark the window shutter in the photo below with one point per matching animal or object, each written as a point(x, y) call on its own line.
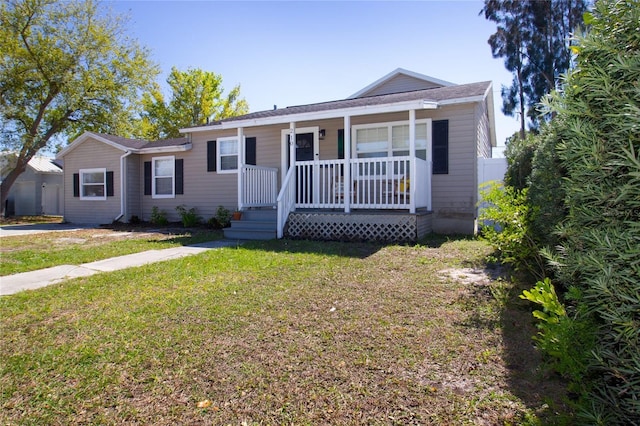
point(109, 184)
point(179, 165)
point(440, 147)
point(341, 144)
point(76, 184)
point(250, 151)
point(147, 178)
point(211, 156)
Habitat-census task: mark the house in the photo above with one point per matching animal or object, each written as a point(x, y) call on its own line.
point(38, 190)
point(394, 161)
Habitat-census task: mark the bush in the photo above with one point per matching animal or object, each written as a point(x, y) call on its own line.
point(566, 343)
point(189, 217)
point(599, 113)
point(506, 214)
point(223, 217)
point(158, 217)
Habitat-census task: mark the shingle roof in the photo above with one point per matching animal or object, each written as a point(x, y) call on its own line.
point(141, 144)
point(439, 94)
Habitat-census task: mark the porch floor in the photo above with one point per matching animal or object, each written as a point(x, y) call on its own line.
point(358, 225)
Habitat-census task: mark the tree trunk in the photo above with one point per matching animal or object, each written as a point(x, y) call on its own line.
point(8, 182)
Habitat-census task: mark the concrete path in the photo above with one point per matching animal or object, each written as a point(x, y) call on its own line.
point(38, 228)
point(11, 284)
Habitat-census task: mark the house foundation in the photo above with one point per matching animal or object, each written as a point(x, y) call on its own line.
point(359, 226)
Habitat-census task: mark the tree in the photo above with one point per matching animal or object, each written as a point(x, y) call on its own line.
point(533, 38)
point(65, 67)
point(196, 98)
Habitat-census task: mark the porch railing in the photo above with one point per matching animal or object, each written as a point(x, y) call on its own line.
point(376, 183)
point(260, 186)
point(286, 201)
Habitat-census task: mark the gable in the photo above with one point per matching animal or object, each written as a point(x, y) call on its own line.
point(400, 83)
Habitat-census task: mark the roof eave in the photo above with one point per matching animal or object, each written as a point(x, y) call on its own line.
point(163, 149)
point(319, 115)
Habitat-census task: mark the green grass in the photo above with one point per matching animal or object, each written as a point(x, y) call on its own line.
point(281, 332)
point(39, 251)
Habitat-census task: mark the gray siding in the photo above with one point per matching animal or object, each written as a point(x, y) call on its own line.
point(400, 83)
point(454, 194)
point(484, 134)
point(133, 190)
point(88, 155)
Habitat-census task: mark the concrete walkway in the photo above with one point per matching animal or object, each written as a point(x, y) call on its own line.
point(11, 284)
point(39, 228)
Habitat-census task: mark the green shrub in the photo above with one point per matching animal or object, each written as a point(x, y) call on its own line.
point(158, 217)
point(504, 215)
point(189, 217)
point(599, 150)
point(565, 342)
point(223, 216)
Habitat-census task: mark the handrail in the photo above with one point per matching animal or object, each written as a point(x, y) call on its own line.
point(286, 200)
point(260, 186)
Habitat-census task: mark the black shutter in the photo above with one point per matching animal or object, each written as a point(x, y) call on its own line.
point(440, 147)
point(179, 164)
point(211, 156)
point(250, 151)
point(147, 178)
point(109, 184)
point(76, 184)
point(340, 144)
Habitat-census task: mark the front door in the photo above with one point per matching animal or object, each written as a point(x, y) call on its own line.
point(304, 180)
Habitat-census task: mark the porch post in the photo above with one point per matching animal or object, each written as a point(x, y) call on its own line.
point(240, 165)
point(292, 144)
point(429, 163)
point(412, 154)
point(347, 187)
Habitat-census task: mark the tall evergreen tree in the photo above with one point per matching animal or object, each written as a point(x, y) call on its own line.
point(533, 38)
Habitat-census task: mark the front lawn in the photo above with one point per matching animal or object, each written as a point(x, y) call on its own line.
point(280, 332)
point(38, 251)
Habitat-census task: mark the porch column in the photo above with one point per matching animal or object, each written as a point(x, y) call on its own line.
point(429, 163)
point(347, 186)
point(292, 144)
point(412, 161)
point(240, 165)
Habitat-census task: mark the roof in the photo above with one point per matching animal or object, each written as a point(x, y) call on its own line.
point(432, 81)
point(39, 164)
point(44, 165)
point(137, 146)
point(472, 92)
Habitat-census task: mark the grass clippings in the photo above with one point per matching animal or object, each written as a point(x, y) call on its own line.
point(281, 332)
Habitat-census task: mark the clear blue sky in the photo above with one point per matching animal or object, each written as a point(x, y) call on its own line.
point(299, 52)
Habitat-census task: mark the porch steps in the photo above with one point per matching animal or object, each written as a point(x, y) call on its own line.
point(254, 225)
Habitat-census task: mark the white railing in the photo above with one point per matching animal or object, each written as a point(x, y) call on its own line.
point(376, 183)
point(286, 200)
point(259, 186)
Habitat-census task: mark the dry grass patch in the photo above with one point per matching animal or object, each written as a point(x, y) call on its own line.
point(282, 332)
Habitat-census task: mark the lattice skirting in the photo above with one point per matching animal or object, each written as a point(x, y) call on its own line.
point(358, 226)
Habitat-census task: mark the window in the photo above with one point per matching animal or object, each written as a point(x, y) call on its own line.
point(93, 184)
point(163, 176)
point(390, 140)
point(227, 161)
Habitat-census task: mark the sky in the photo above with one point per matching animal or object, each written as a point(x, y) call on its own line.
point(300, 52)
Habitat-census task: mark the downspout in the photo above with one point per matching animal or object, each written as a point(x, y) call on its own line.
point(123, 186)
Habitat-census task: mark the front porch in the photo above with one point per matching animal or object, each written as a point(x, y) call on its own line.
point(385, 199)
